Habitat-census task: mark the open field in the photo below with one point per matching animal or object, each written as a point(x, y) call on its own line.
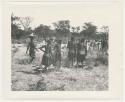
point(94, 78)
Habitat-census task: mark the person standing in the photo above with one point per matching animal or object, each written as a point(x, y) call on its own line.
point(71, 51)
point(78, 52)
point(82, 53)
point(58, 54)
point(31, 48)
point(47, 56)
point(53, 50)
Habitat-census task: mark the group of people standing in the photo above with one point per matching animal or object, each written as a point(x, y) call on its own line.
point(52, 52)
point(77, 52)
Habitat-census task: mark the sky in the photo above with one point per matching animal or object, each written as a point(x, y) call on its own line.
point(77, 14)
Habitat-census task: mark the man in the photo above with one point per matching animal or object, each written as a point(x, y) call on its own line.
point(31, 48)
point(64, 54)
point(77, 52)
point(58, 54)
point(82, 52)
point(71, 51)
point(53, 50)
point(100, 45)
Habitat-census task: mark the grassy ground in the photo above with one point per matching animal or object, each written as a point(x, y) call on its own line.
point(94, 78)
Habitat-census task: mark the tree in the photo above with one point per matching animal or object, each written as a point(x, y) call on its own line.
point(73, 29)
point(89, 30)
point(105, 29)
point(42, 31)
point(16, 32)
point(105, 32)
point(62, 26)
point(25, 22)
point(14, 19)
point(77, 29)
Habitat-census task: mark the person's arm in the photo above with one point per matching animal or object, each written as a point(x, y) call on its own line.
point(85, 50)
point(68, 44)
point(36, 48)
point(28, 48)
point(41, 48)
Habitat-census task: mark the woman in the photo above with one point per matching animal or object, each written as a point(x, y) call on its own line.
point(46, 60)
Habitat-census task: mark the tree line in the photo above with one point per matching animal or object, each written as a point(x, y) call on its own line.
point(21, 28)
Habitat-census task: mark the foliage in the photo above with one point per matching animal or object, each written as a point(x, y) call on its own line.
point(25, 22)
point(62, 26)
point(16, 32)
point(21, 29)
point(89, 30)
point(42, 31)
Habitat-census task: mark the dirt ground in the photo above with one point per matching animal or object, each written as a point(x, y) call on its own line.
point(94, 78)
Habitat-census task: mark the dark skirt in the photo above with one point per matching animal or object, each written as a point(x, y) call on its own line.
point(46, 60)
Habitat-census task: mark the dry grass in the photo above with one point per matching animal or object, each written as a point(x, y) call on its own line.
point(94, 78)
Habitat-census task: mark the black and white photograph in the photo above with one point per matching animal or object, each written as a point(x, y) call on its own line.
point(59, 48)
